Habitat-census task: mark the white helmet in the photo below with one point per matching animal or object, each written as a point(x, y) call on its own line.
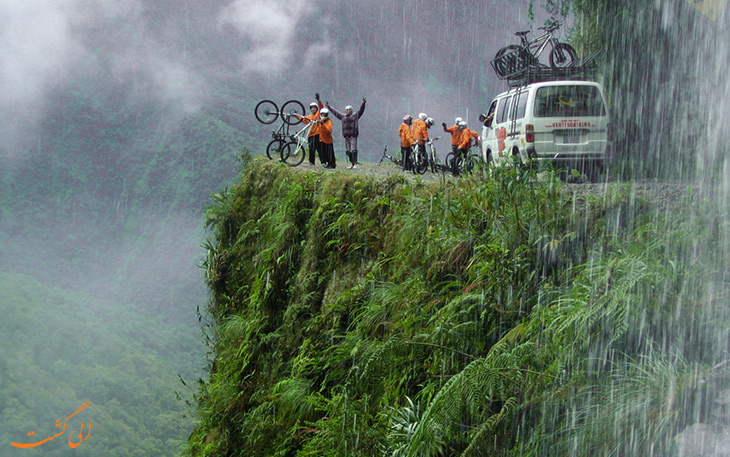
point(348, 107)
point(429, 122)
point(462, 125)
point(313, 105)
point(324, 112)
point(457, 120)
point(422, 116)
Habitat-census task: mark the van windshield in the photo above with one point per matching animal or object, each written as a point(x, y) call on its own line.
point(569, 101)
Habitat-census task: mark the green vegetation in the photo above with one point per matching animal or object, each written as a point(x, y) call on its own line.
point(500, 316)
point(100, 225)
point(61, 349)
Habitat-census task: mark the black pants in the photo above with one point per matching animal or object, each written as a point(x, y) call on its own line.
point(405, 153)
point(314, 147)
point(328, 153)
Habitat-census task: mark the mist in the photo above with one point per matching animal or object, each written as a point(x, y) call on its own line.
point(108, 110)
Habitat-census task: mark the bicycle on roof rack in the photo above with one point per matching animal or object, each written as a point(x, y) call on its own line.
point(289, 147)
point(516, 57)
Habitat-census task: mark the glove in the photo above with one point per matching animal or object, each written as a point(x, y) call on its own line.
point(364, 100)
point(316, 96)
point(443, 124)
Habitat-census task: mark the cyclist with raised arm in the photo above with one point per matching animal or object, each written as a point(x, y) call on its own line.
point(313, 139)
point(350, 129)
point(465, 142)
point(455, 133)
point(406, 141)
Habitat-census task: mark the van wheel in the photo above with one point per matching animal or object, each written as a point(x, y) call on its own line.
point(517, 158)
point(594, 172)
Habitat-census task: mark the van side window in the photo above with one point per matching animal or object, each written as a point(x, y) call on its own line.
point(568, 101)
point(521, 105)
point(492, 109)
point(503, 110)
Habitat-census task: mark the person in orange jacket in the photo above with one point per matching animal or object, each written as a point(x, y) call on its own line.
point(420, 132)
point(313, 139)
point(326, 142)
point(455, 132)
point(466, 138)
point(406, 141)
point(465, 142)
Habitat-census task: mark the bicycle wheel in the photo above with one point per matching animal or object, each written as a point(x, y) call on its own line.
point(478, 165)
point(562, 56)
point(508, 60)
point(421, 164)
point(434, 162)
point(449, 161)
point(289, 109)
point(266, 112)
point(274, 149)
point(293, 154)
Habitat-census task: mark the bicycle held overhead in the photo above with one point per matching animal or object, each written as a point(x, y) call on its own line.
point(289, 147)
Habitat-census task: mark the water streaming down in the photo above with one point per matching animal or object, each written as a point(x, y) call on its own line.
point(663, 376)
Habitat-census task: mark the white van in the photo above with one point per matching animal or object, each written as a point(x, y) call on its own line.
point(564, 122)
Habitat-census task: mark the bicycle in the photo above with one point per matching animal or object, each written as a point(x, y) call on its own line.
point(419, 159)
point(293, 152)
point(515, 57)
point(464, 164)
point(396, 160)
point(433, 158)
point(267, 112)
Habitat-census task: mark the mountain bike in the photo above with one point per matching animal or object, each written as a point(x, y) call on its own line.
point(433, 158)
point(515, 57)
point(293, 152)
point(267, 112)
point(419, 159)
point(396, 160)
point(460, 164)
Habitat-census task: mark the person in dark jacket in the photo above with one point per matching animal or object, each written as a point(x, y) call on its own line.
point(350, 129)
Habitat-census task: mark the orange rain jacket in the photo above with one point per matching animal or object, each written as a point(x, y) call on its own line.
point(420, 131)
point(455, 132)
point(325, 131)
point(466, 136)
point(313, 117)
point(406, 136)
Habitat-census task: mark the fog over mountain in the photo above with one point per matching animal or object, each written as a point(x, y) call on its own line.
point(405, 56)
point(118, 119)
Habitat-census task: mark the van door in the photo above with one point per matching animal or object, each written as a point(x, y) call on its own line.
point(570, 121)
point(516, 131)
point(489, 142)
point(501, 125)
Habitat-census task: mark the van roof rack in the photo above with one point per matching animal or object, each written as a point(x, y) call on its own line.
point(522, 75)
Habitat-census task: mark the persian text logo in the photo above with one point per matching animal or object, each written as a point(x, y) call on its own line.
point(710, 8)
point(71, 442)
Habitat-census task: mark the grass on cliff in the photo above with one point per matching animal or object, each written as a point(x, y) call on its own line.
point(357, 316)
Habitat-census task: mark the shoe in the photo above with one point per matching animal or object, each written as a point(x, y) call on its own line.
point(354, 165)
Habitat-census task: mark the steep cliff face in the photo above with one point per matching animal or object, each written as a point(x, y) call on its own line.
point(359, 316)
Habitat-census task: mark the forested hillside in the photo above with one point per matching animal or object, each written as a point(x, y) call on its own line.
point(61, 349)
point(99, 270)
point(499, 315)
